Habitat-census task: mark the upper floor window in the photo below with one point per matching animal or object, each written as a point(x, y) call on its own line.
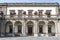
point(48, 13)
point(12, 12)
point(30, 12)
point(40, 12)
point(20, 12)
point(1, 12)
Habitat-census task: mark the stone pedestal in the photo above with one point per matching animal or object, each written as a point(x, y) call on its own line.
point(35, 35)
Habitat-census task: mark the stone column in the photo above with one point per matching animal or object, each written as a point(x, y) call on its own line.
point(56, 29)
point(13, 29)
point(23, 29)
point(46, 29)
point(2, 28)
point(16, 29)
point(35, 29)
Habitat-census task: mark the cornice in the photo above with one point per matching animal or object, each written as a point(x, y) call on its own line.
point(29, 4)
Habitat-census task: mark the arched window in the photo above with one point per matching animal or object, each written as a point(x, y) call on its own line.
point(41, 26)
point(51, 28)
point(30, 27)
point(18, 26)
point(9, 27)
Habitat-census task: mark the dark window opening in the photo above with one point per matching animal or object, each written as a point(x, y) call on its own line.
point(41, 29)
point(30, 13)
point(49, 29)
point(30, 30)
point(48, 13)
point(40, 13)
point(11, 30)
point(12, 13)
point(20, 12)
point(19, 29)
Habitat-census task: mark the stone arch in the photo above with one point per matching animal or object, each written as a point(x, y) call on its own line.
point(30, 26)
point(51, 27)
point(41, 23)
point(41, 26)
point(18, 23)
point(51, 23)
point(30, 23)
point(8, 27)
point(18, 27)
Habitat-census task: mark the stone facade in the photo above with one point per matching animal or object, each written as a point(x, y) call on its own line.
point(33, 19)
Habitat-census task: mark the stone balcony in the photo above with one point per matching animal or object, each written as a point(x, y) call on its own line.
point(33, 17)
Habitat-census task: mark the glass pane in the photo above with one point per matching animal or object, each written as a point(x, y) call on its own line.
point(41, 29)
point(19, 29)
point(11, 30)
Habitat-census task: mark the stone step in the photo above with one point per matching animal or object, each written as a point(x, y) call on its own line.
point(30, 38)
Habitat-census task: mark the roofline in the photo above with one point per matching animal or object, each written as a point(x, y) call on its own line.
point(29, 4)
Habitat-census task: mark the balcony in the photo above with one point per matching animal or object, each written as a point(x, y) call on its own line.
point(30, 17)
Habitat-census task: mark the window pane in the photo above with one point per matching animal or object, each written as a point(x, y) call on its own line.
point(30, 12)
point(20, 12)
point(12, 11)
point(11, 30)
point(49, 28)
point(19, 29)
point(41, 29)
point(40, 12)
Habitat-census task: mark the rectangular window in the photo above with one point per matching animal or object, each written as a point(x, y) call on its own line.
point(48, 13)
point(30, 12)
point(12, 13)
point(20, 12)
point(1, 12)
point(40, 13)
point(10, 29)
point(49, 29)
point(41, 29)
point(19, 29)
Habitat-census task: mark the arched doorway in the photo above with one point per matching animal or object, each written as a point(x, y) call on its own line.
point(51, 28)
point(30, 27)
point(41, 26)
point(9, 27)
point(18, 27)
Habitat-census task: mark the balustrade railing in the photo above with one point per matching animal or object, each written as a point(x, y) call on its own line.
point(28, 17)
